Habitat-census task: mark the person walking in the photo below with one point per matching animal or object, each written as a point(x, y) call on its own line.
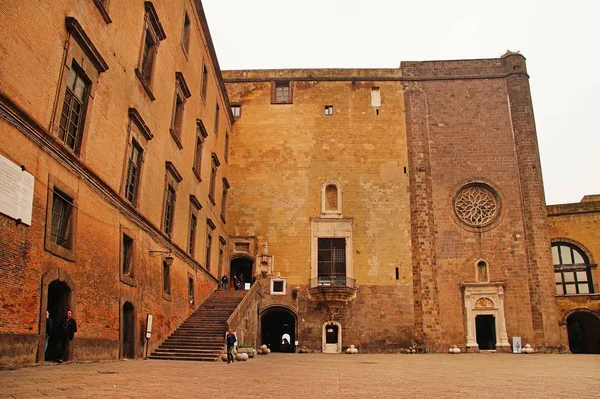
point(231, 340)
point(236, 282)
point(49, 326)
point(224, 281)
point(66, 335)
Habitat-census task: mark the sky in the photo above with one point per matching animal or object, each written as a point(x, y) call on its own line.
point(559, 38)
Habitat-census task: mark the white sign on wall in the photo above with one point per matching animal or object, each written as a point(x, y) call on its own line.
point(16, 191)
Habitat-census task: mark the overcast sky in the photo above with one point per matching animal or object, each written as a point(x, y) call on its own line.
point(559, 38)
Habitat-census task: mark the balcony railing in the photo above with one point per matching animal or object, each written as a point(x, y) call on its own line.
point(332, 281)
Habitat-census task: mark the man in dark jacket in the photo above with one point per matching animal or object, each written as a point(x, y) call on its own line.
point(65, 336)
point(224, 281)
point(48, 329)
point(231, 340)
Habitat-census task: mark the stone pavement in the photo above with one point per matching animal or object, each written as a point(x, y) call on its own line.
point(317, 376)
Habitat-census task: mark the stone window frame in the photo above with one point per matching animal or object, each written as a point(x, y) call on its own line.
point(224, 200)
point(236, 110)
point(102, 6)
point(331, 212)
point(80, 53)
point(70, 254)
point(226, 149)
point(127, 278)
point(222, 244)
point(137, 133)
point(201, 135)
point(195, 207)
point(278, 279)
point(278, 89)
point(324, 337)
point(153, 31)
point(331, 228)
point(172, 179)
point(186, 33)
point(182, 93)
point(191, 288)
point(166, 273)
point(217, 118)
point(214, 170)
point(210, 228)
point(486, 278)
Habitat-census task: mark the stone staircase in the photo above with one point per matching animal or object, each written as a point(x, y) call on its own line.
point(202, 336)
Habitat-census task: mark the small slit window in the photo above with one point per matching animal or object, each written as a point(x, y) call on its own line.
point(329, 110)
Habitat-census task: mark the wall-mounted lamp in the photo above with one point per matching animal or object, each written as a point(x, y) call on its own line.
point(168, 258)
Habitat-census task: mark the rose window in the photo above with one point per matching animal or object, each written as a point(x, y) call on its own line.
point(476, 205)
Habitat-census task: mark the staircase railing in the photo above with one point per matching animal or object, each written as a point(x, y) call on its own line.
point(246, 333)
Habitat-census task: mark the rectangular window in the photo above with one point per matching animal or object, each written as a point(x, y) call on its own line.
point(182, 93)
point(282, 92)
point(236, 110)
point(191, 290)
point(62, 209)
point(224, 199)
point(153, 34)
point(148, 56)
point(127, 248)
point(192, 235)
point(213, 177)
point(133, 171)
point(185, 35)
point(329, 110)
point(332, 261)
point(73, 108)
point(208, 247)
point(226, 153)
point(204, 82)
point(198, 157)
point(166, 278)
point(169, 210)
point(177, 118)
point(217, 119)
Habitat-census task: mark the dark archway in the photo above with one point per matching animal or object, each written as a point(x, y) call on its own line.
point(59, 301)
point(485, 330)
point(584, 332)
point(242, 268)
point(128, 331)
point(278, 329)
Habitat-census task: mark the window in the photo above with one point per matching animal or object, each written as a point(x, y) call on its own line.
point(127, 254)
point(201, 135)
point(61, 220)
point(166, 278)
point(185, 34)
point(213, 177)
point(62, 208)
point(375, 97)
point(73, 109)
point(329, 110)
point(153, 34)
point(171, 180)
point(224, 199)
point(236, 110)
point(181, 94)
point(332, 261)
point(572, 270)
point(217, 119)
point(222, 244)
point(194, 208)
point(226, 152)
point(133, 171)
point(204, 82)
point(102, 6)
point(210, 227)
point(482, 272)
point(83, 65)
point(331, 199)
point(191, 298)
point(281, 92)
point(278, 286)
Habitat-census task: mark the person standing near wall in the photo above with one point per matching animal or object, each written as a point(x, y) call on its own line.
point(231, 340)
point(65, 335)
point(224, 281)
point(49, 326)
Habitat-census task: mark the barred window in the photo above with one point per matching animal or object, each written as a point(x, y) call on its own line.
point(332, 261)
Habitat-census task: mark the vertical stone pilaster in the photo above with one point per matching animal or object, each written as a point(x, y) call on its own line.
point(426, 298)
point(537, 241)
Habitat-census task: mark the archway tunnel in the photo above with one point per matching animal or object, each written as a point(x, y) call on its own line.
point(278, 329)
point(584, 332)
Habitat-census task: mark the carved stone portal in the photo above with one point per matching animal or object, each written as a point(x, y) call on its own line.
point(485, 299)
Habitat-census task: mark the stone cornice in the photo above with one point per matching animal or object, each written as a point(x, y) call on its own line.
point(135, 116)
point(75, 30)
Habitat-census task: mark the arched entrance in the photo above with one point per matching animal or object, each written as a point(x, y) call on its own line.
point(242, 268)
point(59, 301)
point(278, 329)
point(128, 331)
point(583, 329)
point(332, 337)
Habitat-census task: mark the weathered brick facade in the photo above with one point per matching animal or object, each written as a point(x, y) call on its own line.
point(399, 147)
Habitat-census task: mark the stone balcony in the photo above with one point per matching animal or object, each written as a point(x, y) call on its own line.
point(332, 292)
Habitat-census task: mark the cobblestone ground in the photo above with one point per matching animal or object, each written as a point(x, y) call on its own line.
point(317, 376)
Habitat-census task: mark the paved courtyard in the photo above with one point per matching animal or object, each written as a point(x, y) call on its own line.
point(317, 376)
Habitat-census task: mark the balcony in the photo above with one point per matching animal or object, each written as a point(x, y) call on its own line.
point(332, 291)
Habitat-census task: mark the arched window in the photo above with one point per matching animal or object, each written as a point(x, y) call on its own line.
point(482, 271)
point(572, 272)
point(331, 199)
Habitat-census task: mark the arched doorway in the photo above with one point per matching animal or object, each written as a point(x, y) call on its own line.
point(583, 329)
point(278, 329)
point(59, 301)
point(242, 268)
point(332, 337)
point(128, 331)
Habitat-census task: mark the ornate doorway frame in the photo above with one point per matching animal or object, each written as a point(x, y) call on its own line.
point(331, 348)
point(485, 299)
